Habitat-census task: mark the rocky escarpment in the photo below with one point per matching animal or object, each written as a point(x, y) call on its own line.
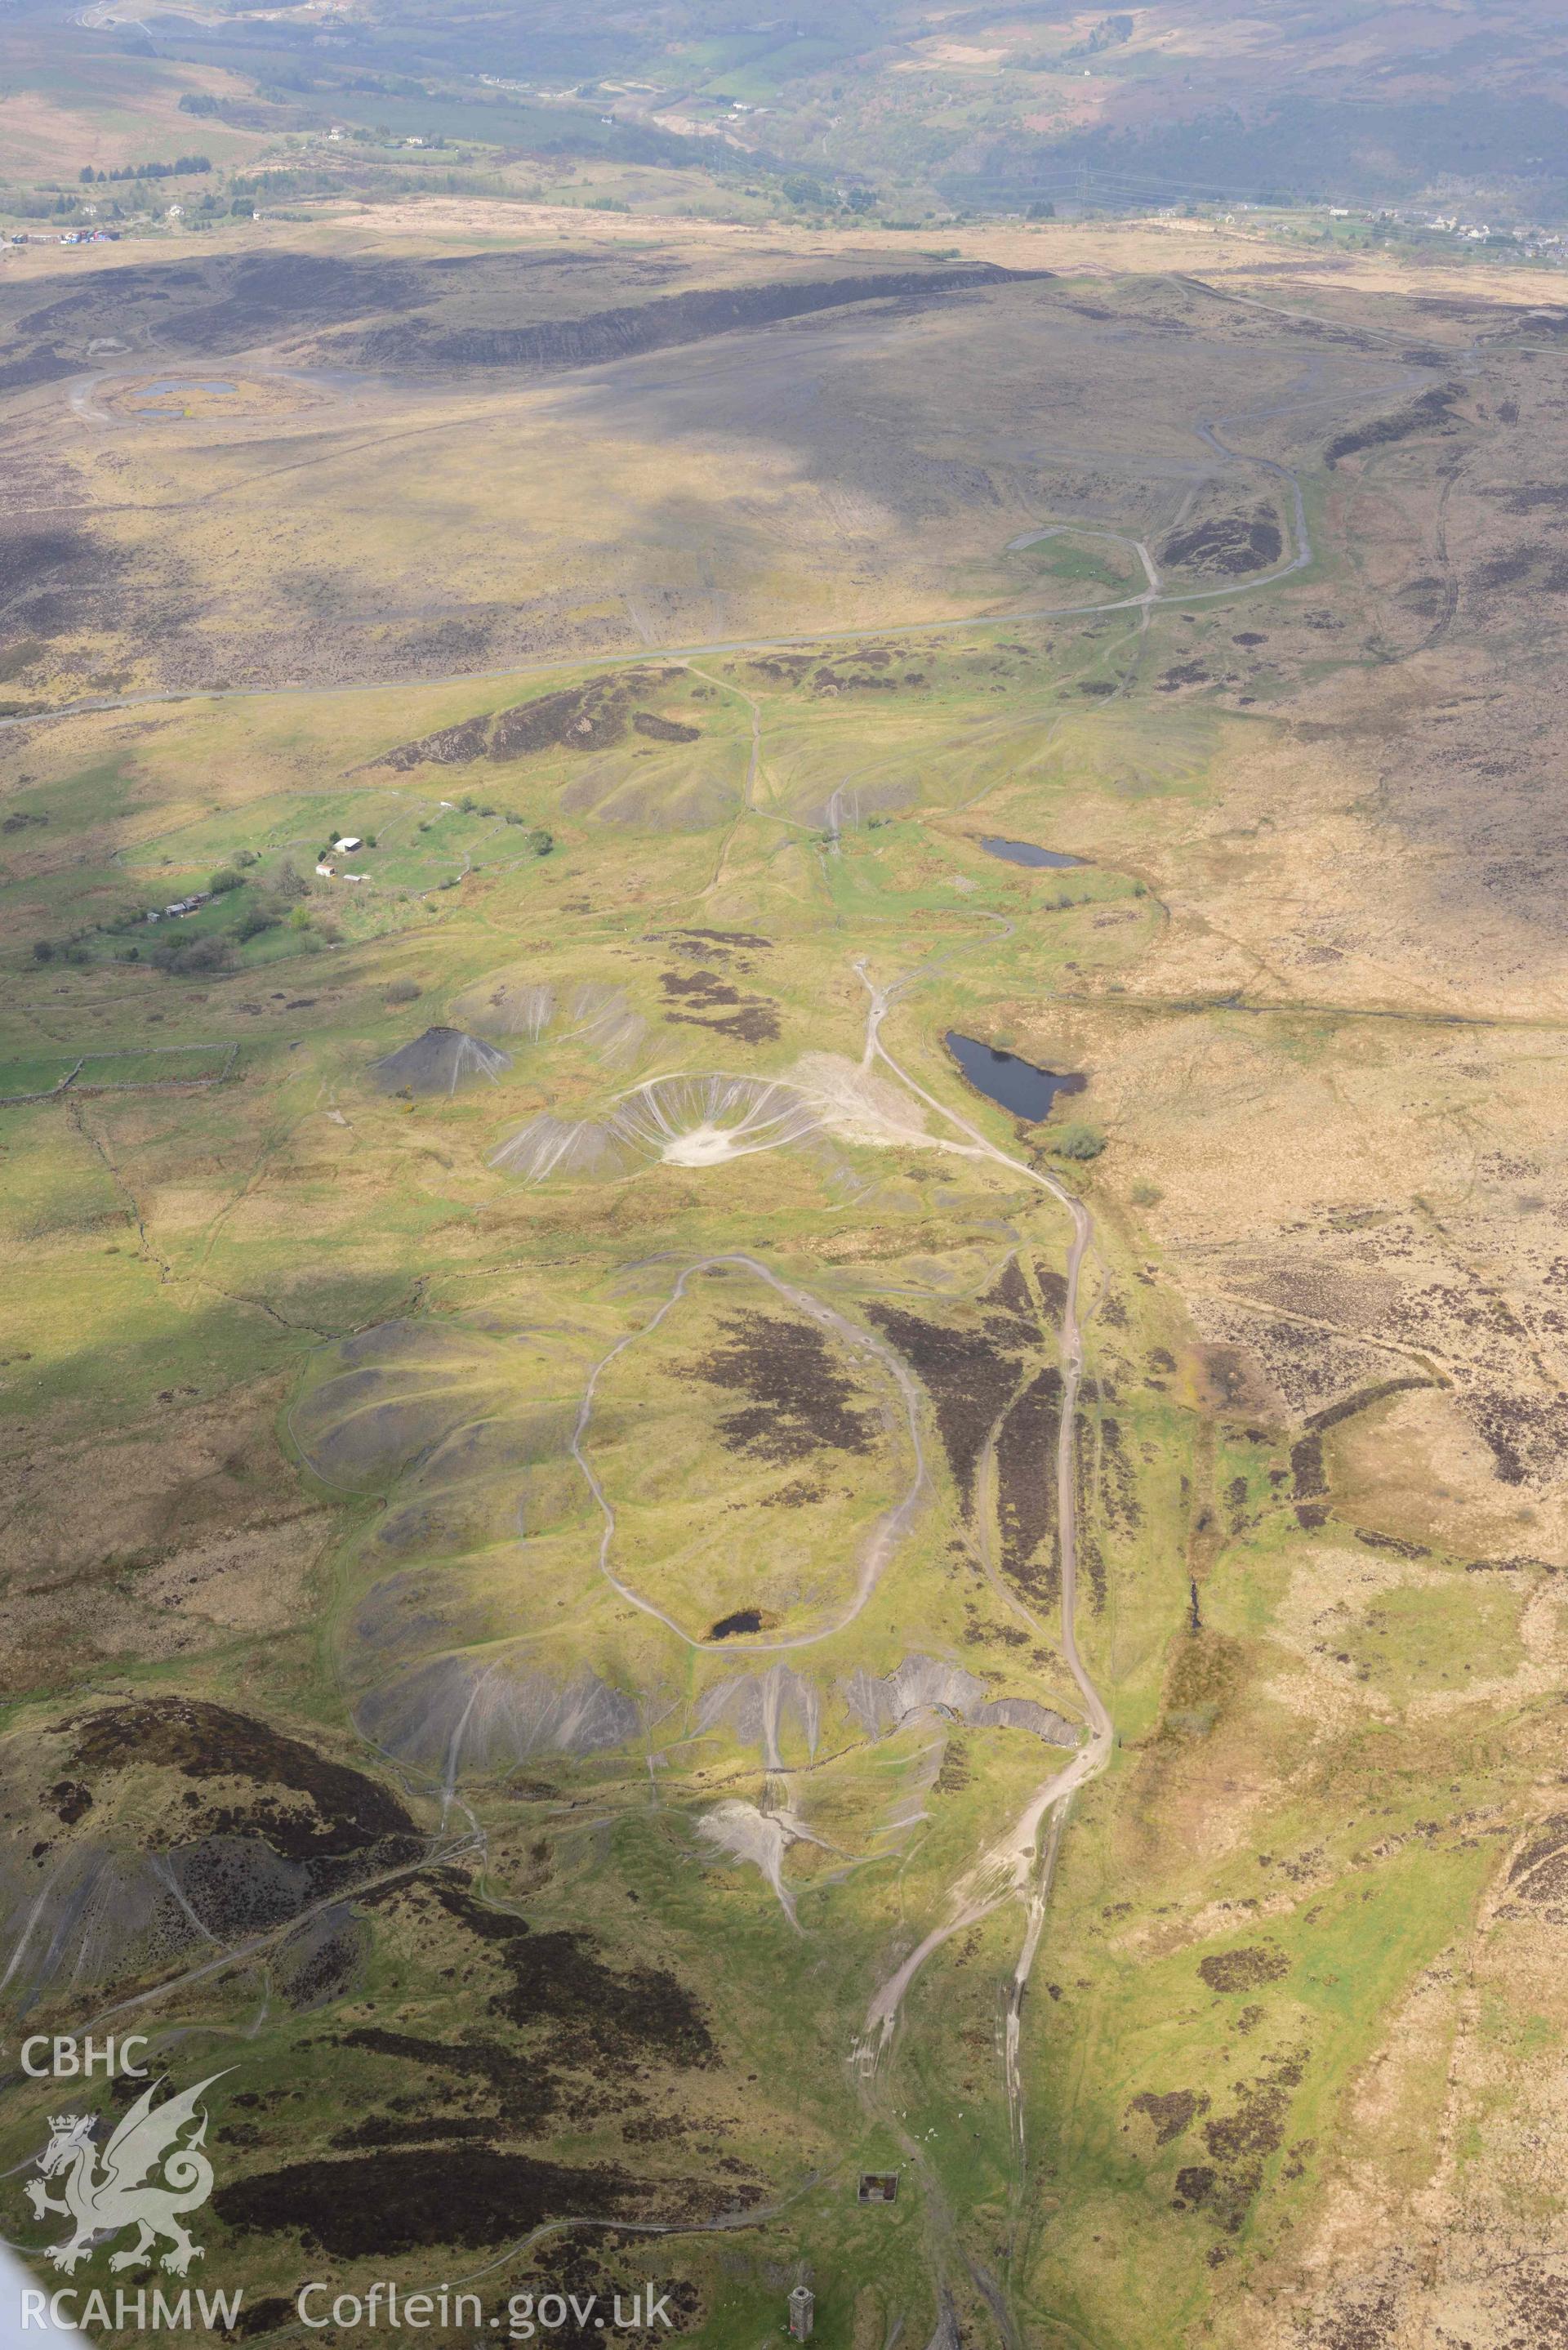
point(674, 319)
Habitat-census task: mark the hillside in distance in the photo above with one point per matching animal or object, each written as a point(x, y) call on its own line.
point(1316, 98)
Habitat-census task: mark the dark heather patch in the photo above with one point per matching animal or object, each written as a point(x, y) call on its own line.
point(1256, 2128)
point(1540, 1875)
point(263, 2316)
point(698, 987)
point(1394, 1543)
point(556, 1979)
point(969, 1375)
point(268, 292)
point(1551, 1840)
point(1244, 1969)
point(801, 1398)
point(525, 2092)
point(1232, 545)
point(755, 1023)
point(1527, 1437)
point(1309, 1480)
point(1009, 1294)
point(399, 2200)
point(581, 718)
point(659, 324)
point(1241, 2141)
point(1428, 413)
point(454, 746)
point(388, 2129)
point(1026, 1485)
point(1193, 2187)
point(1171, 2114)
point(664, 730)
point(37, 366)
point(717, 938)
point(1535, 494)
point(1503, 570)
point(211, 1742)
point(1118, 1485)
point(28, 557)
point(574, 2266)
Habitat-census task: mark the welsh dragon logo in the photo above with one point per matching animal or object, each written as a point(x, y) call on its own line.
point(146, 2178)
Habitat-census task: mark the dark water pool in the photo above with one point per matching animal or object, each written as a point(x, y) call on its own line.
point(1025, 852)
point(745, 1619)
point(1002, 1078)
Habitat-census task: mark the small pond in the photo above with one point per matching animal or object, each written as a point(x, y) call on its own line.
point(1025, 852)
point(745, 1619)
point(1017, 1085)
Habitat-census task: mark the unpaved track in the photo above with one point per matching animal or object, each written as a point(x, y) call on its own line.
point(1008, 1866)
point(1144, 602)
point(890, 1528)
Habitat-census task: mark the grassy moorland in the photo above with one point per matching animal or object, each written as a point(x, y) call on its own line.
point(532, 1574)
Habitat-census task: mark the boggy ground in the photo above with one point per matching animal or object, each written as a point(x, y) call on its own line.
point(343, 1738)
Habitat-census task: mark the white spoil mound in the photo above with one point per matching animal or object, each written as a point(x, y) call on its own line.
point(708, 1121)
point(760, 1839)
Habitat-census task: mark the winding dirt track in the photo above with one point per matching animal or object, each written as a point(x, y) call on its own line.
point(1008, 1867)
point(1021, 1862)
point(890, 1528)
point(1143, 602)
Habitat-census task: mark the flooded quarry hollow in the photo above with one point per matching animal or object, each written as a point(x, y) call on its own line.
point(1025, 852)
point(1015, 1085)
